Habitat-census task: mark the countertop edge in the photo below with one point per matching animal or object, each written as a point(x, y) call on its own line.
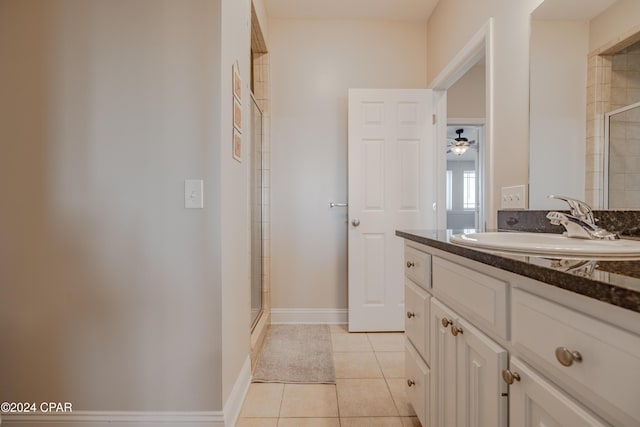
point(605, 292)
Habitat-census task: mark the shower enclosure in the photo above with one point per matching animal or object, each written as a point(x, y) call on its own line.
point(622, 158)
point(256, 202)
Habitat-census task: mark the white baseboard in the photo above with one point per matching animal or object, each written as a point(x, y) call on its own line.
point(226, 418)
point(233, 405)
point(331, 316)
point(118, 419)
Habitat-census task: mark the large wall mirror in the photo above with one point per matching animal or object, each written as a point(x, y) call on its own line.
point(571, 93)
point(466, 118)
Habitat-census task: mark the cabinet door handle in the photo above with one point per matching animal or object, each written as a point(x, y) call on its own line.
point(509, 377)
point(410, 314)
point(410, 264)
point(411, 383)
point(455, 330)
point(566, 357)
point(355, 222)
point(446, 322)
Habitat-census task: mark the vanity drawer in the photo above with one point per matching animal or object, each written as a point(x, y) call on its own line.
point(609, 370)
point(481, 296)
point(417, 322)
point(417, 266)
point(417, 383)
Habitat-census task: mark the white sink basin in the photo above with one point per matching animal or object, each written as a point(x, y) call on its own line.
point(549, 245)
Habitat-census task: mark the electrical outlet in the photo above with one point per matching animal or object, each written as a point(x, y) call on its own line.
point(513, 197)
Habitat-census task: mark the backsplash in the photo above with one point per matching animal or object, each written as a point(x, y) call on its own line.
point(622, 222)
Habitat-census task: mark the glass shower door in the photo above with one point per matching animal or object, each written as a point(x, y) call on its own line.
point(256, 201)
point(622, 158)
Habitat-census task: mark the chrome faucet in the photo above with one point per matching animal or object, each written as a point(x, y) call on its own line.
point(580, 223)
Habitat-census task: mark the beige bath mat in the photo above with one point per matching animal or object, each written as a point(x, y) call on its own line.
point(296, 354)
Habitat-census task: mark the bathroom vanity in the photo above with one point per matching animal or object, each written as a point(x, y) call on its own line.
point(499, 340)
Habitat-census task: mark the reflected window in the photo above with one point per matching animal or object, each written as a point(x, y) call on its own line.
point(449, 190)
point(469, 190)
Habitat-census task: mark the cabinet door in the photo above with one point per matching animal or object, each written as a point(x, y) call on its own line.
point(536, 403)
point(443, 366)
point(482, 394)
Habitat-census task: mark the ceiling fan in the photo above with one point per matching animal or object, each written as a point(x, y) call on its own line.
point(459, 145)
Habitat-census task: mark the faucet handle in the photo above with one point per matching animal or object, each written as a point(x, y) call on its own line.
point(579, 208)
point(556, 217)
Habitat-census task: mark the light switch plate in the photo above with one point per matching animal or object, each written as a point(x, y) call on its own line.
point(193, 194)
point(513, 197)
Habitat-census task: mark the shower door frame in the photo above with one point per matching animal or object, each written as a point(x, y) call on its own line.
point(252, 152)
point(605, 154)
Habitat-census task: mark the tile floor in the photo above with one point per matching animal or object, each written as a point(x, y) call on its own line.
point(369, 389)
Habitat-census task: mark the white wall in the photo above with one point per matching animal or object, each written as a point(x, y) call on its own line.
point(466, 98)
point(557, 142)
point(622, 17)
point(450, 27)
point(234, 204)
point(111, 290)
point(313, 64)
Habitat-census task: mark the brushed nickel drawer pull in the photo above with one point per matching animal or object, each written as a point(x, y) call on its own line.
point(566, 357)
point(509, 377)
point(455, 330)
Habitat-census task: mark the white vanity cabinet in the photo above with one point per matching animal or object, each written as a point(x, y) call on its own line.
point(417, 330)
point(535, 402)
point(473, 329)
point(418, 382)
point(597, 359)
point(453, 369)
point(467, 389)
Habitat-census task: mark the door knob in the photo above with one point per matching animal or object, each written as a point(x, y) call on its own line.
point(410, 264)
point(566, 357)
point(455, 330)
point(411, 383)
point(355, 222)
point(410, 314)
point(509, 377)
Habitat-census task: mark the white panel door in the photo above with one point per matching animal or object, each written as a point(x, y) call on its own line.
point(391, 187)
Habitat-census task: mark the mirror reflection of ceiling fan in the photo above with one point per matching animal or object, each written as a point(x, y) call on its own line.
point(459, 145)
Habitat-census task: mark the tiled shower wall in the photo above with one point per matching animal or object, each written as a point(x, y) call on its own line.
point(613, 81)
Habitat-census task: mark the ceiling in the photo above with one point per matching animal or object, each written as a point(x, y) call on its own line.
point(416, 10)
point(396, 10)
point(580, 10)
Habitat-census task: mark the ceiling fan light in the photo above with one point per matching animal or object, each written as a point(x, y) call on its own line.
point(459, 150)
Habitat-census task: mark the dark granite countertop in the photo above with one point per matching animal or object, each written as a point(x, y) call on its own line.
point(613, 282)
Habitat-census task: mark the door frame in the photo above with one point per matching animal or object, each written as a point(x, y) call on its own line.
point(478, 47)
point(480, 123)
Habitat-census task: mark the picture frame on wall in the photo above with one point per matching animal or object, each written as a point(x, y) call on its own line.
point(237, 145)
point(237, 83)
point(237, 115)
